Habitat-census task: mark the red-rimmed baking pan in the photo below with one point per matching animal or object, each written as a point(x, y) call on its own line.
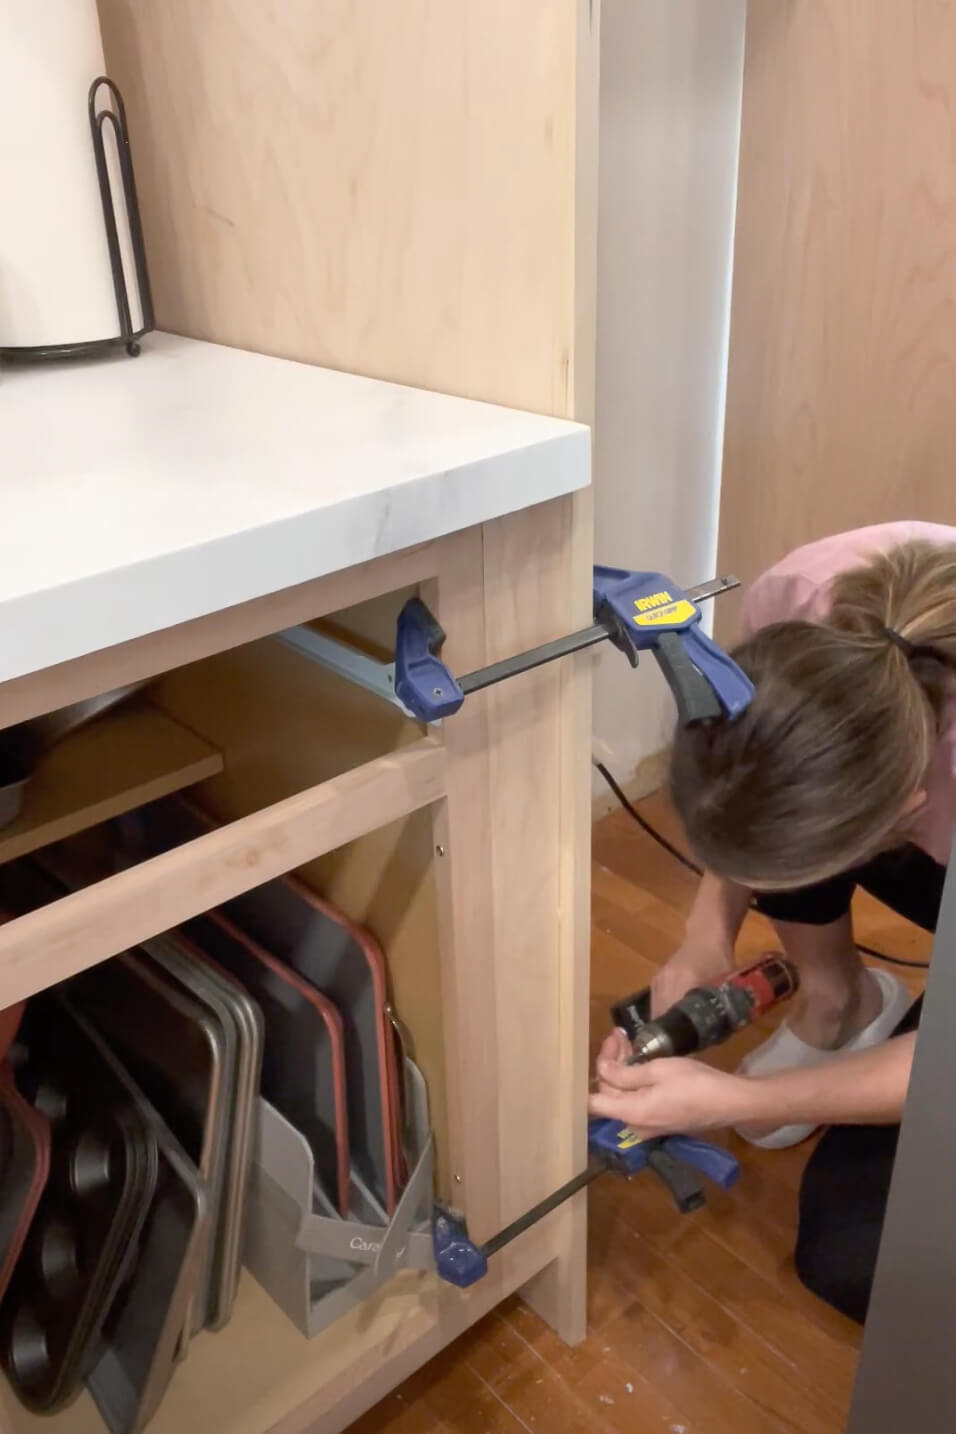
point(337, 958)
point(24, 1171)
point(303, 1062)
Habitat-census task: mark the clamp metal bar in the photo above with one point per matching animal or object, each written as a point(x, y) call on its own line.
point(544, 1207)
point(611, 1146)
point(574, 642)
point(535, 657)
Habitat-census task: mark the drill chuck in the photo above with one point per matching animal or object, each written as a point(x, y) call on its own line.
point(708, 1015)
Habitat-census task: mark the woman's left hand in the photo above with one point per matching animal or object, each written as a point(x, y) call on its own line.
point(665, 1096)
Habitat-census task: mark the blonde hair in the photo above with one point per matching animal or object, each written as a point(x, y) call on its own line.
point(813, 778)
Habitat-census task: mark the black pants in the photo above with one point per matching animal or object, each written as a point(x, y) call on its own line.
point(846, 1183)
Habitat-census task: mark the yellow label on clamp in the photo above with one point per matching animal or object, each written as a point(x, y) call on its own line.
point(627, 1138)
point(663, 616)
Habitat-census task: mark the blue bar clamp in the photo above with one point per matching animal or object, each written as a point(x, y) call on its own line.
point(637, 612)
point(611, 1146)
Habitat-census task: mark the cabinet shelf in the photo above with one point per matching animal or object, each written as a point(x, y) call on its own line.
point(261, 1376)
point(121, 761)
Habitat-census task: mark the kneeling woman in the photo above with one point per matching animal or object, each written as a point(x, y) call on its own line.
point(841, 773)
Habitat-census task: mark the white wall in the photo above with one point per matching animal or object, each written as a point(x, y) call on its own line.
point(671, 79)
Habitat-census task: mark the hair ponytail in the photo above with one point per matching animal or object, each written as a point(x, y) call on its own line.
point(813, 778)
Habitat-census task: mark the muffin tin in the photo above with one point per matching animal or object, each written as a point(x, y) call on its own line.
point(9, 1025)
point(83, 1239)
point(24, 1170)
point(192, 1038)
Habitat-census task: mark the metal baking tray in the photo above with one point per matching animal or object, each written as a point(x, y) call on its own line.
point(141, 1335)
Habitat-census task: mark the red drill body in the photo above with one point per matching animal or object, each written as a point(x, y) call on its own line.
point(707, 1015)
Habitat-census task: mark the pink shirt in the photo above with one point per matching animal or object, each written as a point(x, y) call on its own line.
point(799, 587)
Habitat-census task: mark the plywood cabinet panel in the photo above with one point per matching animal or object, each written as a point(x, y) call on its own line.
point(842, 373)
point(382, 186)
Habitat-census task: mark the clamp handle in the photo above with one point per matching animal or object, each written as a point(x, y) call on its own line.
point(673, 1158)
point(731, 684)
point(422, 681)
point(711, 1160)
point(696, 699)
point(647, 612)
point(680, 1180)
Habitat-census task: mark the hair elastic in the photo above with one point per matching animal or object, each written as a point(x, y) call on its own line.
point(913, 650)
point(908, 649)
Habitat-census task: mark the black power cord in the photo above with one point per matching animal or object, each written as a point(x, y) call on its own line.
point(686, 862)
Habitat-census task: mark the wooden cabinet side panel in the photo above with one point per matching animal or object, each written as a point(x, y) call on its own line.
point(515, 886)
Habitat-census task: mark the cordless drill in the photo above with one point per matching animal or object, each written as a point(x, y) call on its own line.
point(707, 1015)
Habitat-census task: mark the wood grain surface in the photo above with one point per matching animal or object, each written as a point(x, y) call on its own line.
point(842, 370)
point(382, 186)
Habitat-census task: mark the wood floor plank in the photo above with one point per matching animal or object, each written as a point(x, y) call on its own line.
point(707, 1399)
point(650, 1356)
point(547, 1385)
point(732, 1347)
point(450, 1391)
point(755, 1229)
point(399, 1414)
point(621, 846)
point(627, 1393)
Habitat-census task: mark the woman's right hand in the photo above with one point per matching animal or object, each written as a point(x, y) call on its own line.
point(692, 964)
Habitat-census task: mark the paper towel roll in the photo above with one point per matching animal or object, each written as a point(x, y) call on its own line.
point(55, 281)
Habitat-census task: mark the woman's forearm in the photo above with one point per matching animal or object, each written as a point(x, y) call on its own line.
point(707, 950)
point(717, 913)
point(865, 1088)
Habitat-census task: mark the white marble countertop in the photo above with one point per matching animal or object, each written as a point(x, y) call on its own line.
point(140, 493)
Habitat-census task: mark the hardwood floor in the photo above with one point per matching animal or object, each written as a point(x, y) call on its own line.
point(697, 1324)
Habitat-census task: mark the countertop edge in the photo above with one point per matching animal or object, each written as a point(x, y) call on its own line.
point(58, 624)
